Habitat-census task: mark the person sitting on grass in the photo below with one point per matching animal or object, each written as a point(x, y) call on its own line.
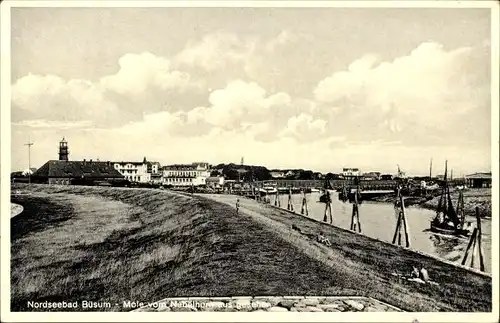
point(322, 239)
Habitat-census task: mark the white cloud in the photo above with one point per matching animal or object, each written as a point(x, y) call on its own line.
point(40, 124)
point(139, 72)
point(241, 102)
point(304, 128)
point(53, 98)
point(215, 51)
point(429, 88)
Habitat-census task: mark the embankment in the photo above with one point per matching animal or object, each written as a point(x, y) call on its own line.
point(368, 264)
point(112, 245)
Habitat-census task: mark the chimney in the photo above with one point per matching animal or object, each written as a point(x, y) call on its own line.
point(90, 161)
point(84, 161)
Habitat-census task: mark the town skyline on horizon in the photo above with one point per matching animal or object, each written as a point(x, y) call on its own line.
point(437, 168)
point(287, 88)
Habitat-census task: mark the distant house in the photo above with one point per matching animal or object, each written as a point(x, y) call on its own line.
point(154, 169)
point(277, 174)
point(186, 174)
point(134, 171)
point(76, 172)
point(350, 172)
point(66, 172)
point(289, 173)
point(371, 176)
point(478, 180)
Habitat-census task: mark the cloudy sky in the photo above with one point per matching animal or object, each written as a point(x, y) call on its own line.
point(286, 88)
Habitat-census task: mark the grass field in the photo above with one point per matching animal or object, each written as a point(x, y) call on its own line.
point(112, 244)
point(109, 244)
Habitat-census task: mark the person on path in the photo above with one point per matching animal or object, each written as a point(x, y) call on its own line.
point(237, 205)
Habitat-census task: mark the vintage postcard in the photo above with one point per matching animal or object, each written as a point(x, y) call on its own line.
point(249, 161)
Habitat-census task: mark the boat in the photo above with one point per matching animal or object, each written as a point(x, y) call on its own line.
point(326, 196)
point(447, 221)
point(267, 190)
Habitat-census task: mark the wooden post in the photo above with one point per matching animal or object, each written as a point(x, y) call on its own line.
point(472, 239)
point(328, 208)
point(405, 222)
point(277, 200)
point(304, 204)
point(397, 231)
point(402, 222)
point(289, 207)
point(475, 240)
point(474, 250)
point(479, 234)
point(355, 223)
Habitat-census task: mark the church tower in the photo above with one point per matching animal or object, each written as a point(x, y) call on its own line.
point(63, 150)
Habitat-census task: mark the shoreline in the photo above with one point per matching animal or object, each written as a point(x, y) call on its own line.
point(472, 198)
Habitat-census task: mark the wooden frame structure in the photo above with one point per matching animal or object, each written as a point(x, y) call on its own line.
point(399, 208)
point(355, 223)
point(304, 208)
point(475, 240)
point(328, 208)
point(289, 206)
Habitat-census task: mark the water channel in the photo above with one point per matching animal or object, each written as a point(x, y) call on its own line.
point(378, 220)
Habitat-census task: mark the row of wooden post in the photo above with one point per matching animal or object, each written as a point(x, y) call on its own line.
point(475, 242)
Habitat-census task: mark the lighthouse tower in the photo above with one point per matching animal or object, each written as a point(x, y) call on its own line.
point(63, 150)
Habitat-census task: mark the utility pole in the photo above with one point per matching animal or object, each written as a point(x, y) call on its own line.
point(430, 170)
point(29, 144)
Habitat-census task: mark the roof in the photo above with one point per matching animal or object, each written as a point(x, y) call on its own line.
point(213, 179)
point(128, 162)
point(77, 169)
point(179, 167)
point(479, 176)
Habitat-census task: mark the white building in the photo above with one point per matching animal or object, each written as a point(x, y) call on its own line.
point(351, 172)
point(154, 168)
point(134, 171)
point(186, 174)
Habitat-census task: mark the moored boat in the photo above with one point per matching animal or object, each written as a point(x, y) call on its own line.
point(447, 221)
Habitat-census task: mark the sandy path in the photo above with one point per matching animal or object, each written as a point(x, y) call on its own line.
point(15, 209)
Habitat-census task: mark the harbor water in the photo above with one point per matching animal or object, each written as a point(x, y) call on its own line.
point(378, 220)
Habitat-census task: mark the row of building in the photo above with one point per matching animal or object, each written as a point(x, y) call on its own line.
point(65, 171)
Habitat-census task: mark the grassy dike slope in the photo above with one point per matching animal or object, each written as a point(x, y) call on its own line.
point(111, 244)
point(114, 245)
point(367, 264)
